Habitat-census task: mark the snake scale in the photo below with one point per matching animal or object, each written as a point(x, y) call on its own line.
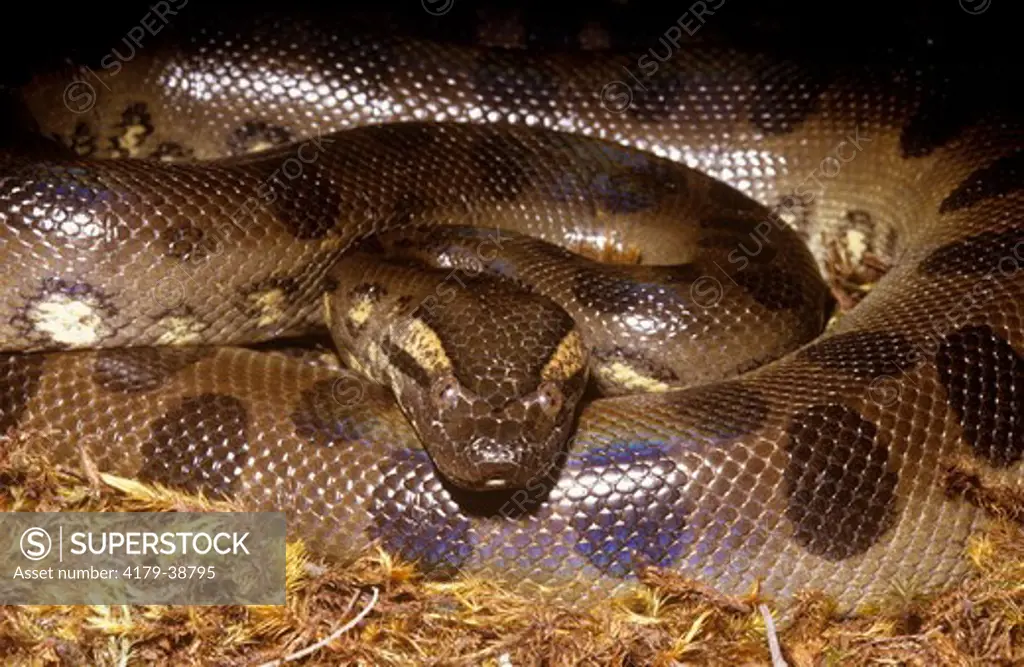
point(824, 468)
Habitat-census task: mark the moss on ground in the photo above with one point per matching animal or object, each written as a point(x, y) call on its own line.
point(410, 621)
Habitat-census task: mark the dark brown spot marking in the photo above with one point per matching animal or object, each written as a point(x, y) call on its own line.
point(983, 253)
point(134, 370)
point(200, 445)
point(328, 285)
point(373, 292)
point(949, 108)
point(842, 492)
point(627, 192)
point(19, 380)
point(773, 288)
point(722, 411)
point(1000, 178)
point(136, 113)
point(864, 354)
point(324, 414)
point(740, 237)
point(257, 134)
point(404, 362)
point(984, 380)
point(600, 165)
point(302, 193)
point(858, 218)
point(408, 141)
point(83, 140)
point(408, 208)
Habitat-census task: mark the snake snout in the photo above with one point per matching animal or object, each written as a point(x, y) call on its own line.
point(493, 464)
point(490, 463)
point(496, 467)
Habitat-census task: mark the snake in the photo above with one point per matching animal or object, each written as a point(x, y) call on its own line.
point(254, 156)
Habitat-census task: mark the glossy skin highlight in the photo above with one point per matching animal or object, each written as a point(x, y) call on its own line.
point(823, 469)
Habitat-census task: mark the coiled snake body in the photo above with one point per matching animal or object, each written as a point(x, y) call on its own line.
point(826, 468)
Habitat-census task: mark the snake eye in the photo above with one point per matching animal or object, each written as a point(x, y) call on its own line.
point(549, 398)
point(446, 392)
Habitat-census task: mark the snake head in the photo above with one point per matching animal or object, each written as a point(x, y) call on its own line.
point(502, 440)
point(489, 375)
point(491, 387)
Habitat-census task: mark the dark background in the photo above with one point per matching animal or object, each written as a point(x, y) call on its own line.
point(37, 32)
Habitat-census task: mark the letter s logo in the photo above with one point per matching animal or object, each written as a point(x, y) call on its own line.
point(36, 544)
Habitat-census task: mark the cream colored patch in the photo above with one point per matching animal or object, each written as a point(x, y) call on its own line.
point(132, 138)
point(567, 360)
point(626, 377)
point(261, 146)
point(67, 320)
point(270, 305)
point(833, 321)
point(327, 309)
point(375, 367)
point(424, 346)
point(353, 362)
point(856, 243)
point(377, 360)
point(360, 311)
point(330, 360)
point(179, 331)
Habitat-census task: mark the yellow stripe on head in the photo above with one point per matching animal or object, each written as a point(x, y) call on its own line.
point(421, 343)
point(567, 360)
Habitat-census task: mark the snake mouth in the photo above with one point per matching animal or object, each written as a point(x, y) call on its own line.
point(516, 470)
point(487, 465)
point(497, 466)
